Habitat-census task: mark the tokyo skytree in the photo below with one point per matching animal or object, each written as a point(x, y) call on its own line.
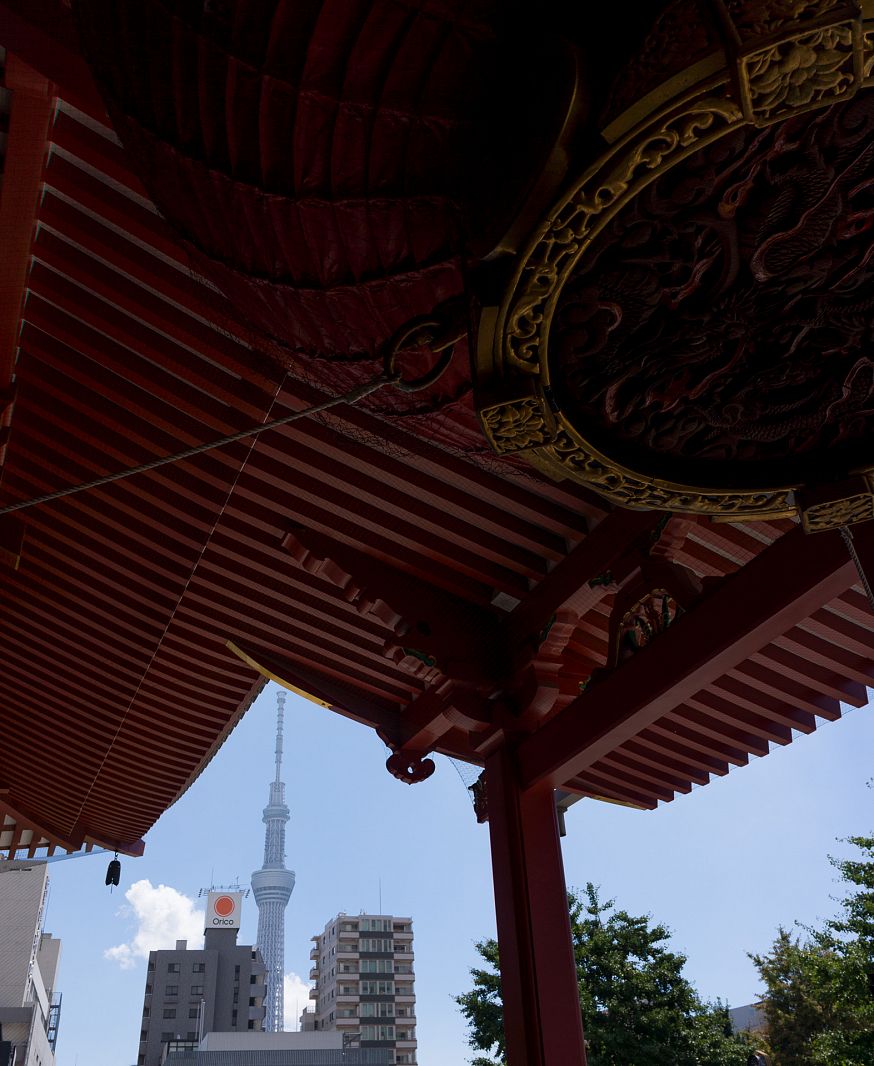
point(272, 886)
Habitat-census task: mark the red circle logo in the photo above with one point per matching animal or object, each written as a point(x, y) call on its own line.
point(224, 906)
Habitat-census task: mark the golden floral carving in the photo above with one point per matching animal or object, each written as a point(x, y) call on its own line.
point(799, 73)
point(868, 57)
point(512, 427)
point(832, 514)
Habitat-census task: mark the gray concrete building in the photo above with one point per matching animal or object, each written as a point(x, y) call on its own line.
point(278, 1049)
point(191, 992)
point(363, 970)
point(29, 957)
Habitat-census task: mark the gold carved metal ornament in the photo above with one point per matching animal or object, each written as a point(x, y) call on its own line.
point(813, 53)
point(838, 513)
point(618, 177)
point(515, 426)
point(802, 73)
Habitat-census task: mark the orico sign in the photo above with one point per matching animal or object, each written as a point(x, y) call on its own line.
point(223, 910)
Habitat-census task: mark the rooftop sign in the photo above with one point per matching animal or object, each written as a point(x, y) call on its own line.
point(223, 910)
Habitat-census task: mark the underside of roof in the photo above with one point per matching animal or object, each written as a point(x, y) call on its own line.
point(630, 654)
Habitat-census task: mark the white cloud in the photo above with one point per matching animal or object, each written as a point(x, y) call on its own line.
point(163, 916)
point(297, 996)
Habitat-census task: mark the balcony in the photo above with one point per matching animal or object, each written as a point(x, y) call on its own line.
point(314, 973)
point(398, 935)
point(347, 997)
point(314, 993)
point(314, 954)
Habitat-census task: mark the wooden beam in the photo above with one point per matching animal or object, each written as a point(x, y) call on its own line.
point(785, 584)
point(41, 32)
point(30, 118)
point(590, 558)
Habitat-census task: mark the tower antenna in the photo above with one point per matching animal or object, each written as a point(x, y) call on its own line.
point(272, 886)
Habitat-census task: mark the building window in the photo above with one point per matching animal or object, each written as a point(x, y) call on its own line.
point(171, 990)
point(377, 1032)
point(233, 1018)
point(386, 1010)
point(144, 1035)
point(165, 1037)
point(193, 1012)
point(172, 967)
point(377, 966)
point(251, 1025)
point(253, 979)
point(147, 1011)
point(169, 1012)
point(236, 996)
point(197, 990)
point(199, 967)
point(141, 1060)
point(367, 1010)
point(236, 971)
point(375, 944)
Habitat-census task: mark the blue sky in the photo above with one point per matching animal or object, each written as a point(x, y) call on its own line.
point(722, 867)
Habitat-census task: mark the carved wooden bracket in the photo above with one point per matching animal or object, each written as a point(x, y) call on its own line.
point(648, 604)
point(433, 632)
point(409, 767)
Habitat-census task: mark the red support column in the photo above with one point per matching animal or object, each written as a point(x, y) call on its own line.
point(542, 1021)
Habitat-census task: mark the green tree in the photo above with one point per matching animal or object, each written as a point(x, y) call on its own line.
point(819, 1000)
point(637, 1007)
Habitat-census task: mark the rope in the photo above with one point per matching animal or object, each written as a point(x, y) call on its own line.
point(353, 396)
point(847, 534)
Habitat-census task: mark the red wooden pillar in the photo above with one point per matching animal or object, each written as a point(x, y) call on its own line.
point(542, 1019)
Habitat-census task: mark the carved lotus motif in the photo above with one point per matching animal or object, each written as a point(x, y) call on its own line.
point(795, 74)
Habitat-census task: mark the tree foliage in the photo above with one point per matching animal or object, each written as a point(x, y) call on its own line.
point(819, 999)
point(637, 1007)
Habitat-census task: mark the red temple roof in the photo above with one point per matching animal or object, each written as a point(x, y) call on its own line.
point(117, 683)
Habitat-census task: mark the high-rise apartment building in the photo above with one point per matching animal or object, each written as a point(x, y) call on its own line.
point(219, 988)
point(363, 969)
point(29, 1008)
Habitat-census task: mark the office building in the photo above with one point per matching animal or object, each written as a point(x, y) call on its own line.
point(219, 988)
point(29, 1007)
point(363, 969)
point(272, 886)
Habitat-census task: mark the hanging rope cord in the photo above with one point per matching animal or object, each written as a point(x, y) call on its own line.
point(847, 534)
point(425, 332)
